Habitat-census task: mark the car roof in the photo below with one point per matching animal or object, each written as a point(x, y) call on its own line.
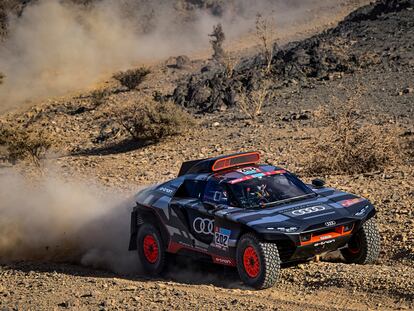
point(234, 173)
point(241, 172)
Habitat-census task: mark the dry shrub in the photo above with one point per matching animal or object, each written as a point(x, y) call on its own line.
point(132, 78)
point(21, 144)
point(368, 59)
point(229, 65)
point(251, 103)
point(98, 97)
point(267, 38)
point(408, 146)
point(1, 78)
point(154, 121)
point(217, 39)
point(348, 145)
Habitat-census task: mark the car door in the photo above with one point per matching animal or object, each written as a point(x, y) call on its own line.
point(187, 204)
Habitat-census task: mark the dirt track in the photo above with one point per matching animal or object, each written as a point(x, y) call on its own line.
point(311, 286)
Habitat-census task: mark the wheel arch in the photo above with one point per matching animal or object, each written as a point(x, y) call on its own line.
point(141, 215)
point(246, 229)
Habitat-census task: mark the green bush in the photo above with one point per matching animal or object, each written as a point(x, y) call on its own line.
point(132, 78)
point(154, 121)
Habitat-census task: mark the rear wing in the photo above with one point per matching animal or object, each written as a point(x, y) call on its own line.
point(216, 164)
point(186, 166)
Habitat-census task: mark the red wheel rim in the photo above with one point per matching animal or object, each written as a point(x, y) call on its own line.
point(353, 250)
point(150, 248)
point(354, 247)
point(251, 262)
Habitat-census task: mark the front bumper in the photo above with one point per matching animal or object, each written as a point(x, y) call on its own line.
point(305, 245)
point(310, 250)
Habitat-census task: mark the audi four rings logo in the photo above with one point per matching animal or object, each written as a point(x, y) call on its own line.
point(308, 210)
point(203, 225)
point(330, 223)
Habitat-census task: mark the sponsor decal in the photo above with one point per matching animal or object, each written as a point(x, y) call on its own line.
point(308, 210)
point(166, 190)
point(324, 243)
point(249, 170)
point(224, 261)
point(256, 175)
point(325, 237)
point(222, 237)
point(330, 223)
point(203, 226)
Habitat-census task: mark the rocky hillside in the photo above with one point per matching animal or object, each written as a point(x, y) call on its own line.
point(378, 37)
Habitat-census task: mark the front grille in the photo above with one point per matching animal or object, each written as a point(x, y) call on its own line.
point(325, 234)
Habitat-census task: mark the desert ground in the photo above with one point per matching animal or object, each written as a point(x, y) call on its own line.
point(64, 213)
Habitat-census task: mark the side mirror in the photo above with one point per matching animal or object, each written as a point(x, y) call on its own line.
point(318, 183)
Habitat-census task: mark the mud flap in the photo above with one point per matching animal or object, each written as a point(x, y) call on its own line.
point(133, 230)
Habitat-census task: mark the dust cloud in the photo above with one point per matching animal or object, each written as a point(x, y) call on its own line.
point(56, 47)
point(53, 220)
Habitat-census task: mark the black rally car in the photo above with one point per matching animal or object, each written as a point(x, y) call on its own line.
point(237, 212)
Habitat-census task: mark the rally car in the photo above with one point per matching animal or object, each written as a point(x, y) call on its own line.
point(234, 211)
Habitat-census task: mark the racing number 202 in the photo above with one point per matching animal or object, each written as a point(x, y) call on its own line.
point(222, 239)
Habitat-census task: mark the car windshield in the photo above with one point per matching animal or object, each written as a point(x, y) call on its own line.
point(268, 190)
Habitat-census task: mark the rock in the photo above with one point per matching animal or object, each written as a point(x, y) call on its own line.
point(65, 304)
point(408, 90)
point(182, 61)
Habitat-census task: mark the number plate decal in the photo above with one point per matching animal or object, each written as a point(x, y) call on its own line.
point(221, 237)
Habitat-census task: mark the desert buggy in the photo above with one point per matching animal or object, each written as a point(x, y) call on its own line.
point(236, 212)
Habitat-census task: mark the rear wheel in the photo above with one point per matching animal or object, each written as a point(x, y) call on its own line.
point(151, 249)
point(258, 263)
point(364, 246)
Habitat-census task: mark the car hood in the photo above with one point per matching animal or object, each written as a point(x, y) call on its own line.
point(300, 214)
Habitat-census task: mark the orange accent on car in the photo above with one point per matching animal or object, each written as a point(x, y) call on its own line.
point(335, 233)
point(236, 160)
point(350, 202)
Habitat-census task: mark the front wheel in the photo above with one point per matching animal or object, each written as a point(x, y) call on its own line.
point(258, 263)
point(151, 249)
point(364, 246)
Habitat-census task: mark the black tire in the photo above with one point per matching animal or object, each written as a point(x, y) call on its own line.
point(364, 246)
point(151, 250)
point(250, 250)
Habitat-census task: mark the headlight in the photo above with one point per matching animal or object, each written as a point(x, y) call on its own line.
point(348, 227)
point(305, 237)
point(362, 211)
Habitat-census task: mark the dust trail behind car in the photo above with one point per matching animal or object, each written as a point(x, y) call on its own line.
point(54, 220)
point(55, 47)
